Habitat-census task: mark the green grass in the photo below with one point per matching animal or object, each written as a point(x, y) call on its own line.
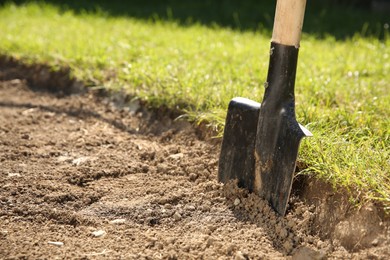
point(342, 88)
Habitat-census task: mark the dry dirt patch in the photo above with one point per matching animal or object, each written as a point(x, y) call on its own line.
point(81, 178)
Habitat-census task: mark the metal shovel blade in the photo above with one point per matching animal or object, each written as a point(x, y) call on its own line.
point(237, 157)
point(278, 132)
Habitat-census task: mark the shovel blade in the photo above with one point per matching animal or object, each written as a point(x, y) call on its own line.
point(237, 159)
point(276, 154)
point(278, 132)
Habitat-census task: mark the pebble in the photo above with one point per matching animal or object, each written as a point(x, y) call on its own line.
point(193, 176)
point(304, 253)
point(118, 221)
point(98, 233)
point(375, 242)
point(288, 246)
point(81, 160)
point(64, 159)
point(13, 174)
point(212, 228)
point(177, 216)
point(239, 256)
point(190, 207)
point(55, 243)
point(283, 233)
point(176, 156)
point(205, 208)
point(237, 202)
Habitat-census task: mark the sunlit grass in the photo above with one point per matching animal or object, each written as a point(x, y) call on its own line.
point(342, 89)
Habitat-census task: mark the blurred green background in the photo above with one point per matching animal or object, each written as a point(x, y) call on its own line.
point(338, 18)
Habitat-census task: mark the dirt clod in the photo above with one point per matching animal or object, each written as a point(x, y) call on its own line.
point(307, 253)
point(98, 233)
point(55, 243)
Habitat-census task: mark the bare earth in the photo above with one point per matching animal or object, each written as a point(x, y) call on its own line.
point(83, 179)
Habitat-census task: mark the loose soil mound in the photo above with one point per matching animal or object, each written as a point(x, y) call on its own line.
point(82, 178)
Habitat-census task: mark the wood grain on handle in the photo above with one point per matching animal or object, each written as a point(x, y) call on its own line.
point(288, 22)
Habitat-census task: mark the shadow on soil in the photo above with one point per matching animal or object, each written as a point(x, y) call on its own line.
point(73, 112)
point(59, 83)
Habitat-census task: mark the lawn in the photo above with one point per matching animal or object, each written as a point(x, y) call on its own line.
point(196, 57)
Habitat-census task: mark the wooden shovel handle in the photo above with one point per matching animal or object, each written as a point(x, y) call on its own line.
point(288, 22)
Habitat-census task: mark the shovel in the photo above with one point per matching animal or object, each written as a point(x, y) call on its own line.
point(260, 142)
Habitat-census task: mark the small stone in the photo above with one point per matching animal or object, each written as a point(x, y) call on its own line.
point(288, 246)
point(239, 256)
point(28, 111)
point(152, 221)
point(310, 239)
point(98, 233)
point(237, 202)
point(283, 233)
point(13, 174)
point(168, 206)
point(159, 246)
point(81, 160)
point(176, 156)
point(177, 216)
point(375, 242)
point(118, 221)
point(64, 159)
point(304, 253)
point(172, 255)
point(55, 243)
point(230, 248)
point(291, 223)
point(190, 207)
point(204, 208)
point(212, 228)
point(15, 82)
point(193, 176)
point(210, 241)
point(171, 240)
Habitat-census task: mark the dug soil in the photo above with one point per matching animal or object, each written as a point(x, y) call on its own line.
point(82, 178)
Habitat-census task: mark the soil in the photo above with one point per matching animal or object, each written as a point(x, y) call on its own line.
point(84, 178)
